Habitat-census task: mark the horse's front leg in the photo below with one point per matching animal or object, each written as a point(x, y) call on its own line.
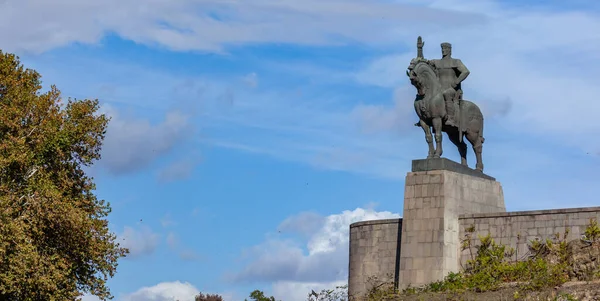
point(437, 130)
point(428, 137)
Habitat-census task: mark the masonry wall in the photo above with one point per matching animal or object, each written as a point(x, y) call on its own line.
point(516, 229)
point(374, 250)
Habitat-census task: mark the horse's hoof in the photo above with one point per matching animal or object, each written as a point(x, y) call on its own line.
point(436, 156)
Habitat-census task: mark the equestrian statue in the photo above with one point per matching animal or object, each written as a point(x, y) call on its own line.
point(440, 105)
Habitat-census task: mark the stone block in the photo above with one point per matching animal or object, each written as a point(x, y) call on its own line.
point(420, 276)
point(425, 179)
point(418, 191)
point(436, 178)
point(425, 190)
point(418, 202)
point(426, 214)
point(410, 179)
point(409, 192)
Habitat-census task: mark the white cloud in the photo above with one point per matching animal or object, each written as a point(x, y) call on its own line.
point(87, 297)
point(184, 253)
point(178, 170)
point(321, 259)
point(335, 232)
point(172, 240)
point(251, 80)
point(189, 255)
point(170, 291)
point(132, 144)
point(182, 24)
point(165, 291)
point(167, 221)
point(375, 119)
point(380, 72)
point(305, 224)
point(298, 291)
point(140, 242)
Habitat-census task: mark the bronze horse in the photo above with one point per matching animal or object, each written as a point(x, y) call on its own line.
point(431, 109)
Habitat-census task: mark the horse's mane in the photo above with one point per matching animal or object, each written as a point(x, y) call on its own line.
point(424, 68)
point(426, 64)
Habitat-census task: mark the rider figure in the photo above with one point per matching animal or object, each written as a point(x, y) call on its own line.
point(451, 73)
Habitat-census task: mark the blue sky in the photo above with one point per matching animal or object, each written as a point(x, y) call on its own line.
point(247, 136)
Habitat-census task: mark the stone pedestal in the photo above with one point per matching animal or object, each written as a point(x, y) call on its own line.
point(436, 192)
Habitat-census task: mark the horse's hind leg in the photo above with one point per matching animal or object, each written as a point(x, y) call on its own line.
point(462, 146)
point(428, 137)
point(477, 141)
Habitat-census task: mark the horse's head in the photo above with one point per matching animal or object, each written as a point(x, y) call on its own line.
point(414, 78)
point(422, 76)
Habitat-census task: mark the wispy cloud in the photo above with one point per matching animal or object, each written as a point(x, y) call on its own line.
point(298, 291)
point(164, 291)
point(167, 221)
point(295, 266)
point(182, 24)
point(251, 79)
point(326, 258)
point(140, 242)
point(131, 144)
point(184, 253)
point(178, 170)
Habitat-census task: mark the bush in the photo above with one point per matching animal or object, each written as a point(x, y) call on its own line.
point(340, 293)
point(203, 297)
point(549, 264)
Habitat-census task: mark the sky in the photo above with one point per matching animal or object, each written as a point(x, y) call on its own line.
point(247, 135)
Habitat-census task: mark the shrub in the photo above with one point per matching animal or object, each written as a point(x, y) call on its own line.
point(203, 297)
point(339, 293)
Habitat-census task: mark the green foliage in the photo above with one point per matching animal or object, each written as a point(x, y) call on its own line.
point(203, 297)
point(565, 297)
point(257, 295)
point(54, 236)
point(339, 293)
point(592, 232)
point(548, 265)
point(383, 291)
point(454, 282)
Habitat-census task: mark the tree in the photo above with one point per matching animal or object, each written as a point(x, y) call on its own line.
point(257, 295)
point(208, 297)
point(54, 238)
point(339, 293)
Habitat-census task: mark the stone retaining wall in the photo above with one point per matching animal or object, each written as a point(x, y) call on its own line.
point(516, 229)
point(374, 252)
